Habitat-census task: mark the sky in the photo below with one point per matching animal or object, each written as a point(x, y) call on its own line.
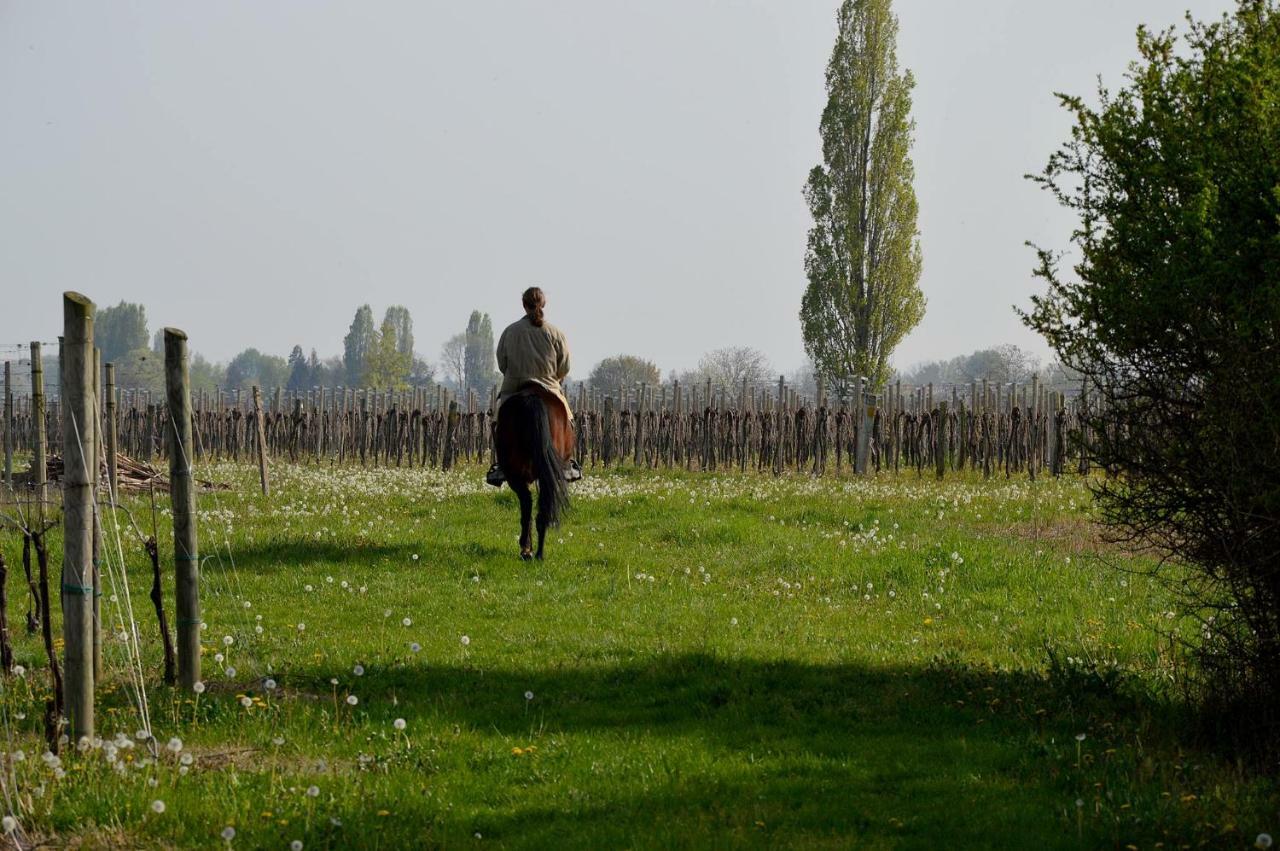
point(252, 172)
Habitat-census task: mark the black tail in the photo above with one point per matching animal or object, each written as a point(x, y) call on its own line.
point(553, 490)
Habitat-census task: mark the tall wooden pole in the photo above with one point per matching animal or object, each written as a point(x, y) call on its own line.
point(262, 441)
point(96, 431)
point(38, 461)
point(8, 427)
point(77, 508)
point(113, 472)
point(183, 497)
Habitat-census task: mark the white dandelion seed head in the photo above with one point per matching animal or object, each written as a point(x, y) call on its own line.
point(406, 622)
point(228, 833)
point(415, 647)
point(174, 745)
point(1263, 841)
point(352, 700)
point(157, 806)
point(228, 640)
point(231, 672)
point(313, 791)
point(218, 657)
point(398, 724)
point(9, 823)
point(269, 684)
point(246, 701)
point(198, 688)
point(358, 670)
point(295, 845)
point(466, 641)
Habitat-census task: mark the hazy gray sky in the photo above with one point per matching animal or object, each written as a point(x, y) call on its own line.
point(252, 171)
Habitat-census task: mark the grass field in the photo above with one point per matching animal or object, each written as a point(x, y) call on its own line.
point(702, 661)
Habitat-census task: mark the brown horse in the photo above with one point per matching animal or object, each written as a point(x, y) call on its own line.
point(534, 441)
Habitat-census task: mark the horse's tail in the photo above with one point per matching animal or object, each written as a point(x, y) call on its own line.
point(553, 490)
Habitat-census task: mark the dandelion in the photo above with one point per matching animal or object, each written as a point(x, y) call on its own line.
point(295, 845)
point(466, 641)
point(1080, 737)
point(198, 688)
point(246, 701)
point(528, 695)
point(398, 724)
point(415, 647)
point(186, 759)
point(352, 700)
point(175, 745)
point(269, 685)
point(277, 740)
point(1263, 840)
point(157, 807)
point(9, 823)
point(228, 833)
point(313, 791)
point(358, 670)
point(19, 670)
point(231, 672)
point(733, 621)
point(228, 640)
point(406, 622)
point(302, 627)
point(415, 556)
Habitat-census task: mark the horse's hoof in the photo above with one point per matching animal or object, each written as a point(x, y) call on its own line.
point(526, 556)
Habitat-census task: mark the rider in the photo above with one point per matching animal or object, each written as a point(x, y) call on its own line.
point(531, 350)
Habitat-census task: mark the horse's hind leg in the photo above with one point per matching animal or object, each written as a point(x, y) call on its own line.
point(542, 525)
point(526, 516)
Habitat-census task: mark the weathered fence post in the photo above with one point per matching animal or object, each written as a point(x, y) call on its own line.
point(113, 470)
point(96, 432)
point(38, 459)
point(183, 499)
point(8, 426)
point(262, 441)
point(77, 507)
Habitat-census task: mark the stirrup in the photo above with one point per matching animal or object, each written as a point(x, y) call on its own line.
point(495, 476)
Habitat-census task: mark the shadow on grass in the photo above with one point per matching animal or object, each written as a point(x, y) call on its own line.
point(684, 748)
point(268, 557)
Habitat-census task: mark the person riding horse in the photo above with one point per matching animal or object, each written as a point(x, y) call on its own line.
point(533, 351)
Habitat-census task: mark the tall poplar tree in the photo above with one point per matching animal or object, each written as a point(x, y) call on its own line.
point(863, 258)
point(358, 343)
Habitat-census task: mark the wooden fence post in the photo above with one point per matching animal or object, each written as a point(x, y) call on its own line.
point(182, 494)
point(262, 441)
point(113, 472)
point(77, 506)
point(39, 462)
point(8, 427)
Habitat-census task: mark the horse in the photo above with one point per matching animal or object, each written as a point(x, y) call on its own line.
point(534, 441)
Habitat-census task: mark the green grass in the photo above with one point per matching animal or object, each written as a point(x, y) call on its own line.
point(714, 662)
